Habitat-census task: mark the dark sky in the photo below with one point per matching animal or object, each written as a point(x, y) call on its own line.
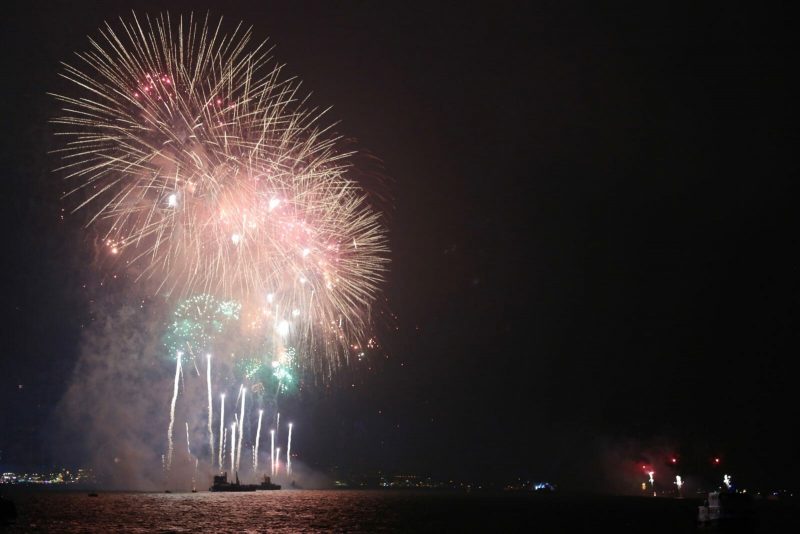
point(592, 229)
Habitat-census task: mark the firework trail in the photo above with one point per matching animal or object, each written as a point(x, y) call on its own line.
point(210, 408)
point(258, 437)
point(241, 430)
point(277, 460)
point(233, 448)
point(183, 381)
point(278, 425)
point(222, 429)
point(203, 170)
point(238, 397)
point(289, 452)
point(224, 443)
point(272, 451)
point(188, 449)
point(172, 410)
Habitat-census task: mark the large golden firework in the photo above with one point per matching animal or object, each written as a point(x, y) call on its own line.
point(204, 168)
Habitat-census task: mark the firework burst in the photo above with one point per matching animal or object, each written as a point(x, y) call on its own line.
point(203, 169)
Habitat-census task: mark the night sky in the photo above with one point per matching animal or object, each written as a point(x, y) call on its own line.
point(591, 223)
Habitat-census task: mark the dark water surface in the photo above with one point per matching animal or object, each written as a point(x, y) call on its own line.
point(361, 511)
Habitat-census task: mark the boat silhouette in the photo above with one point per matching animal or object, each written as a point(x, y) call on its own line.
point(221, 483)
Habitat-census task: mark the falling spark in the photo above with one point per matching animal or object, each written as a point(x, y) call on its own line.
point(283, 328)
point(210, 408)
point(172, 410)
point(289, 452)
point(258, 437)
point(221, 428)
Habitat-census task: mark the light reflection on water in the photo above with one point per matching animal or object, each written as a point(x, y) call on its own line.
point(349, 511)
point(273, 511)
